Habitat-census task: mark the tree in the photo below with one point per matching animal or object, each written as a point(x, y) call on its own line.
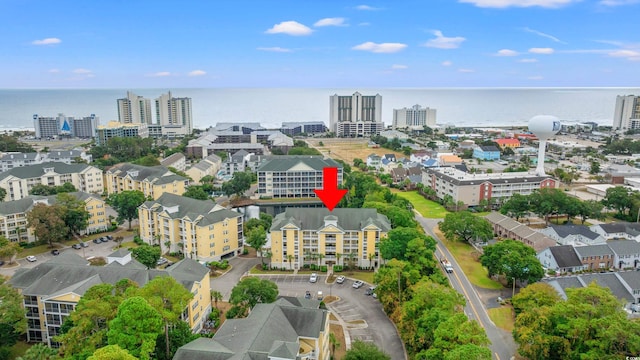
point(517, 206)
point(3, 194)
point(590, 209)
point(595, 167)
point(43, 190)
point(40, 352)
point(465, 226)
point(126, 204)
point(75, 215)
point(136, 327)
point(148, 255)
point(534, 296)
point(8, 249)
point(13, 321)
point(196, 192)
point(239, 184)
point(111, 352)
point(48, 223)
point(148, 160)
point(216, 296)
point(251, 291)
point(619, 199)
point(361, 350)
point(179, 334)
point(257, 238)
point(460, 336)
point(394, 246)
point(334, 343)
point(514, 260)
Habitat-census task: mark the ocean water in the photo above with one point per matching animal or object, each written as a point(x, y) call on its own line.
point(271, 107)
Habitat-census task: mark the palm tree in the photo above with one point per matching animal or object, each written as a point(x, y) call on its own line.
point(371, 257)
point(352, 257)
point(268, 254)
point(320, 257)
point(338, 256)
point(290, 259)
point(334, 343)
point(216, 296)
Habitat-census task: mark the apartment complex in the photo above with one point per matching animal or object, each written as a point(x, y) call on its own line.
point(414, 118)
point(134, 109)
point(627, 113)
point(174, 115)
point(17, 159)
point(153, 181)
point(52, 289)
point(117, 129)
point(355, 115)
point(473, 188)
point(19, 181)
point(288, 329)
point(201, 229)
point(306, 127)
point(52, 127)
point(343, 236)
point(294, 176)
point(13, 215)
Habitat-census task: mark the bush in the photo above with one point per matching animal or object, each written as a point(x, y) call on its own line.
point(214, 315)
point(265, 267)
point(314, 267)
point(233, 312)
point(5, 353)
point(27, 245)
point(245, 251)
point(305, 266)
point(337, 268)
point(138, 241)
point(323, 268)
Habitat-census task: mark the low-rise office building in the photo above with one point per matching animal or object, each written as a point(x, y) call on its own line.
point(153, 181)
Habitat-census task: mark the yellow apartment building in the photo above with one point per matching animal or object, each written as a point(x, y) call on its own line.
point(13, 215)
point(52, 289)
point(201, 229)
point(152, 181)
point(316, 236)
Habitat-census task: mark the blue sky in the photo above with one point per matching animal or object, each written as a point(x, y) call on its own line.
point(319, 43)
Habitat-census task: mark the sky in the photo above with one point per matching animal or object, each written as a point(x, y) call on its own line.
point(319, 43)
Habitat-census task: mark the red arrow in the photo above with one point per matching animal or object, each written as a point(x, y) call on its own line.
point(330, 194)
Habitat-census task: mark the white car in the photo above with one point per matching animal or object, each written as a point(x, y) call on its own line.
point(31, 258)
point(358, 284)
point(313, 278)
point(340, 279)
point(162, 261)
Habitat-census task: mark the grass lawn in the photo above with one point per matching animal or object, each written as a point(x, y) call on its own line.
point(503, 317)
point(36, 250)
point(427, 208)
point(466, 257)
point(258, 270)
point(366, 276)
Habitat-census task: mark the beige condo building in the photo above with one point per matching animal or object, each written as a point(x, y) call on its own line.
point(152, 181)
point(343, 236)
point(201, 229)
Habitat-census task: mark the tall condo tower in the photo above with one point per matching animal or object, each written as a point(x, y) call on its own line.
point(356, 115)
point(134, 109)
point(627, 113)
point(174, 113)
point(544, 127)
point(414, 118)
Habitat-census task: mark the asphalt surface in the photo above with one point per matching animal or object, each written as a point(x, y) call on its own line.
point(502, 345)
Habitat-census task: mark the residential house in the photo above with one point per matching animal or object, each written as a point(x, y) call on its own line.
point(390, 157)
point(616, 282)
point(631, 281)
point(508, 228)
point(19, 181)
point(505, 143)
point(237, 162)
point(449, 160)
point(572, 234)
point(52, 289)
point(618, 230)
point(302, 236)
point(466, 145)
point(400, 174)
point(176, 161)
point(561, 258)
point(294, 176)
point(419, 156)
point(374, 161)
point(595, 257)
point(201, 229)
point(208, 166)
point(153, 181)
point(486, 153)
point(288, 329)
point(626, 254)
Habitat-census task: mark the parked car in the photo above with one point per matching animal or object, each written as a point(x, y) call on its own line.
point(313, 278)
point(370, 290)
point(109, 237)
point(84, 244)
point(340, 279)
point(320, 296)
point(97, 241)
point(55, 252)
point(358, 284)
point(307, 295)
point(76, 246)
point(31, 258)
point(1, 262)
point(162, 261)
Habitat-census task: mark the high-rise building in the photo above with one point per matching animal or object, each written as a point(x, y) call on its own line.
point(51, 127)
point(356, 115)
point(414, 118)
point(174, 115)
point(84, 127)
point(627, 113)
point(134, 109)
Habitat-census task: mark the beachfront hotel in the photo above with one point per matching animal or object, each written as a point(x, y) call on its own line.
point(356, 115)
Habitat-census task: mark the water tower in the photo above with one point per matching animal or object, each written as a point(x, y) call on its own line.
point(544, 127)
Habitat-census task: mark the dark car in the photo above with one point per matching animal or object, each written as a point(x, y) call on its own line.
point(97, 241)
point(109, 237)
point(76, 246)
point(1, 262)
point(55, 252)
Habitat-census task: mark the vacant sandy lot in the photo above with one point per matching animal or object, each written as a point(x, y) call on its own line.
point(348, 149)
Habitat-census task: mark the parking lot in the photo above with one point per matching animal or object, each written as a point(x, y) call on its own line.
point(361, 314)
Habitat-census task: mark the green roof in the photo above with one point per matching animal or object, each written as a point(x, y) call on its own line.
point(315, 218)
point(36, 171)
point(285, 163)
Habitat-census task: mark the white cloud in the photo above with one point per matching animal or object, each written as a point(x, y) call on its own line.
point(160, 74)
point(443, 42)
point(537, 77)
point(399, 67)
point(275, 49)
point(54, 71)
point(540, 33)
point(466, 70)
point(632, 55)
point(528, 60)
point(197, 73)
point(545, 51)
point(446, 63)
point(519, 3)
point(81, 71)
point(293, 28)
point(618, 2)
point(380, 48)
point(507, 52)
point(338, 21)
point(366, 8)
point(47, 41)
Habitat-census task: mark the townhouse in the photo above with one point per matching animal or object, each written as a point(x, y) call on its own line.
point(595, 257)
point(507, 228)
point(562, 258)
point(152, 181)
point(572, 234)
point(200, 229)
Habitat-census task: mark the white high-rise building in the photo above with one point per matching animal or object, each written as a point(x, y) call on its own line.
point(134, 109)
point(627, 113)
point(356, 115)
point(174, 115)
point(414, 118)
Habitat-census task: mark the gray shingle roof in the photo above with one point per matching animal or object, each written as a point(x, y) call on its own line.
point(37, 170)
point(565, 256)
point(283, 164)
point(149, 173)
point(314, 218)
point(632, 278)
point(611, 281)
point(8, 157)
point(490, 148)
point(25, 204)
point(621, 227)
point(178, 207)
point(624, 247)
point(571, 229)
point(593, 250)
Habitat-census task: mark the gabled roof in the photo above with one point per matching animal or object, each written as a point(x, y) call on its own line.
point(490, 148)
point(25, 204)
point(507, 141)
point(572, 229)
point(624, 247)
point(37, 170)
point(317, 163)
point(142, 173)
point(593, 250)
point(12, 156)
point(314, 218)
point(565, 256)
point(621, 227)
point(611, 281)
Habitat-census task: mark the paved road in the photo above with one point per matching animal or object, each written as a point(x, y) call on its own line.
point(239, 267)
point(502, 345)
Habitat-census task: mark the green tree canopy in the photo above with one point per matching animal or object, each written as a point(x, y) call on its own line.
point(512, 259)
point(251, 291)
point(126, 204)
point(458, 338)
point(394, 246)
point(257, 238)
point(196, 192)
point(111, 352)
point(48, 223)
point(76, 216)
point(13, 321)
point(179, 334)
point(148, 255)
point(534, 296)
point(517, 206)
point(136, 327)
point(361, 350)
point(8, 249)
point(40, 351)
point(239, 184)
point(465, 226)
point(3, 194)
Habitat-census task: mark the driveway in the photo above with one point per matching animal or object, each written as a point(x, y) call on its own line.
point(239, 267)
